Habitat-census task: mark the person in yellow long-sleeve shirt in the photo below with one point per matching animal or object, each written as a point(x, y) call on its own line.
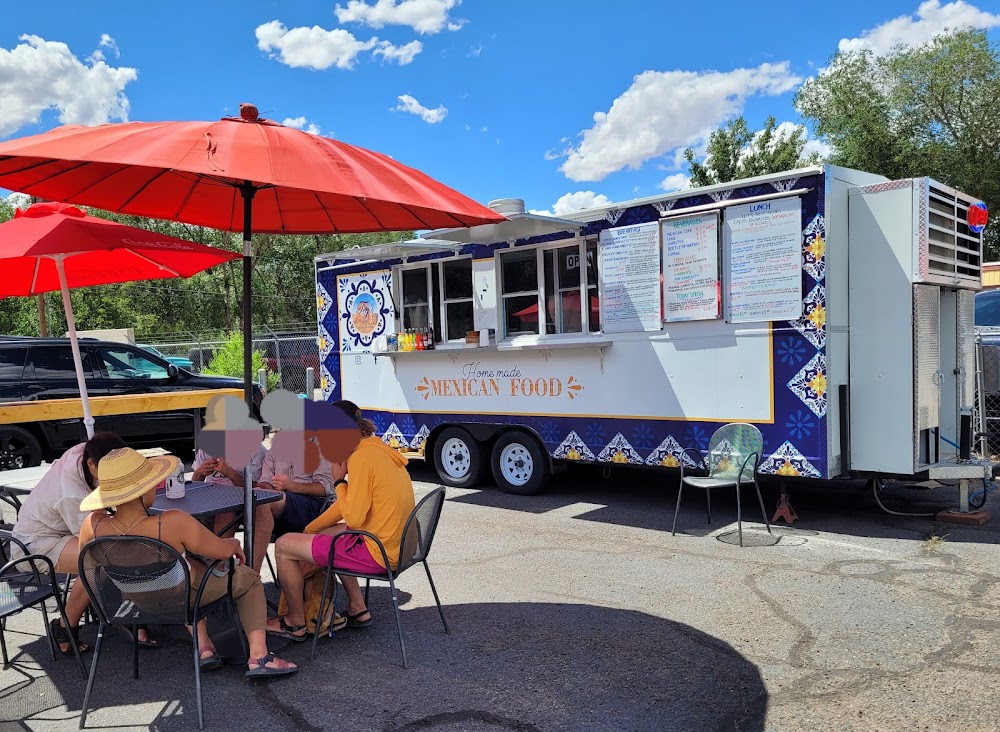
point(378, 499)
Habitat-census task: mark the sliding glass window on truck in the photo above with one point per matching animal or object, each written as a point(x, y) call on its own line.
point(567, 277)
point(437, 295)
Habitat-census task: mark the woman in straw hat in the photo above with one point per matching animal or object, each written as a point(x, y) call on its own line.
point(126, 489)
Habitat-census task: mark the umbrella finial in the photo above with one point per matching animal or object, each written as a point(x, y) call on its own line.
point(248, 112)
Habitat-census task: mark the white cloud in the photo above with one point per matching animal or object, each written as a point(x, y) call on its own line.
point(426, 17)
point(412, 106)
point(318, 48)
point(18, 200)
point(301, 123)
point(665, 110)
point(932, 18)
point(402, 55)
point(110, 43)
point(577, 201)
point(37, 75)
point(675, 182)
point(476, 51)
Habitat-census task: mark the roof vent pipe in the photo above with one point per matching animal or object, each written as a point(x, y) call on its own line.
point(507, 206)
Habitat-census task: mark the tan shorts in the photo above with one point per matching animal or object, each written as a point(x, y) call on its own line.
point(48, 547)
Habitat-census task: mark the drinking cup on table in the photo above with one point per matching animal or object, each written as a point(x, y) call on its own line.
point(175, 484)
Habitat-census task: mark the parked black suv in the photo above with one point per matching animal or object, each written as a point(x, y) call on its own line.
point(42, 368)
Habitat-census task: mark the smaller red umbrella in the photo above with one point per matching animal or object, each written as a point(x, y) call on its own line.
point(56, 246)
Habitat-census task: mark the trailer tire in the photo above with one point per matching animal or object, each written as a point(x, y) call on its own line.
point(459, 458)
point(520, 465)
point(18, 448)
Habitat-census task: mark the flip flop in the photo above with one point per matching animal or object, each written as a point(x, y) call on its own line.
point(211, 662)
point(148, 643)
point(353, 622)
point(289, 631)
point(265, 671)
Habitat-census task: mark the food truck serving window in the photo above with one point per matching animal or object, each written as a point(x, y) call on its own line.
point(565, 277)
point(457, 278)
point(437, 295)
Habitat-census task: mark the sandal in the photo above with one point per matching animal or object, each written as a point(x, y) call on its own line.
point(354, 622)
point(289, 631)
point(62, 637)
point(148, 643)
point(263, 670)
point(210, 663)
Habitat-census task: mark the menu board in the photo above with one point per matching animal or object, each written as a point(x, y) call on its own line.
point(764, 244)
point(629, 269)
point(691, 268)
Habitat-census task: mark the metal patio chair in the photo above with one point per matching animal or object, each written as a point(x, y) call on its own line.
point(418, 535)
point(134, 580)
point(734, 454)
point(23, 585)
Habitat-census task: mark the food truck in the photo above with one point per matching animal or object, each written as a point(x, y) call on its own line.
point(831, 308)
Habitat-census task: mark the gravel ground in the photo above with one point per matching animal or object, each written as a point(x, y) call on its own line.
point(577, 610)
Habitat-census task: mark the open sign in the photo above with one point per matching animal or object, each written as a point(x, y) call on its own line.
point(573, 260)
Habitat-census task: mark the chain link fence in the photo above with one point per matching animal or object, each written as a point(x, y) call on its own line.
point(288, 352)
point(987, 410)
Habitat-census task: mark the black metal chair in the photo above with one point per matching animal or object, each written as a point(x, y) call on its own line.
point(734, 454)
point(418, 534)
point(26, 587)
point(133, 580)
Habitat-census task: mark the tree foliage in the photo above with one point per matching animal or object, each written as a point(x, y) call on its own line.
point(283, 286)
point(928, 110)
point(735, 152)
point(228, 361)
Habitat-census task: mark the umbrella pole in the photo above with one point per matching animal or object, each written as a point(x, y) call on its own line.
point(247, 190)
point(81, 381)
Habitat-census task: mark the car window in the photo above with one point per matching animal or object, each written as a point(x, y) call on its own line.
point(124, 363)
point(12, 363)
point(988, 309)
point(55, 362)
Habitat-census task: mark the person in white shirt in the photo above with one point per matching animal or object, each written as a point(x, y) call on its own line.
point(50, 519)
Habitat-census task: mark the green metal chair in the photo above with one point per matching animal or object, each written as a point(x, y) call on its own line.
point(734, 454)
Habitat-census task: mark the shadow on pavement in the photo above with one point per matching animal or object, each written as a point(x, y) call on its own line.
point(518, 666)
point(645, 498)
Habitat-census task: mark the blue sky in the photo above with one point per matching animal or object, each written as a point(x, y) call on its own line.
point(563, 103)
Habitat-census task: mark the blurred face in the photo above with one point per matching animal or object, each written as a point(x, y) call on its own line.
point(92, 469)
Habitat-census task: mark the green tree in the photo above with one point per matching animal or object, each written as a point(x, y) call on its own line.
point(228, 361)
point(735, 152)
point(929, 110)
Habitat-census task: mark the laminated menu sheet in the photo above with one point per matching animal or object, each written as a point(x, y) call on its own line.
point(629, 271)
point(691, 268)
point(764, 247)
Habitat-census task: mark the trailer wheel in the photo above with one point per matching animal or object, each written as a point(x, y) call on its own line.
point(520, 465)
point(458, 458)
point(18, 448)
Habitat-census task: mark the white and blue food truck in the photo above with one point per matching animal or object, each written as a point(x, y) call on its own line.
point(831, 308)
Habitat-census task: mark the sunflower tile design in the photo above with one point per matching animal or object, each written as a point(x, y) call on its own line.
point(393, 437)
point(788, 461)
point(670, 454)
point(814, 248)
point(619, 451)
point(812, 324)
point(418, 441)
point(809, 385)
point(573, 448)
point(327, 383)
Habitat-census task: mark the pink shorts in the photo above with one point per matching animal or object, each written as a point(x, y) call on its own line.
point(350, 553)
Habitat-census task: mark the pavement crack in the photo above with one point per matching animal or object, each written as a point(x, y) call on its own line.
point(468, 715)
point(266, 696)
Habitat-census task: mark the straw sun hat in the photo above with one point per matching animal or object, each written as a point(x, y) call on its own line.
point(124, 475)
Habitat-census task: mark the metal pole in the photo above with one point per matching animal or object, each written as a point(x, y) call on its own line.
point(310, 388)
point(262, 379)
point(247, 191)
point(81, 380)
point(980, 400)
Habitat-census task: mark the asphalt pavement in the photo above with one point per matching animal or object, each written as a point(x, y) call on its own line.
point(577, 610)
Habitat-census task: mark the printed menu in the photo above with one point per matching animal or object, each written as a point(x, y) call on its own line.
point(629, 271)
point(691, 268)
point(764, 244)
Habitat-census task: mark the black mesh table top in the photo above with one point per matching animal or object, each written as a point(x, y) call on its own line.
point(204, 500)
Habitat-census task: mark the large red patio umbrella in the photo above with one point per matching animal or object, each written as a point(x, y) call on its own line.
point(571, 306)
point(241, 173)
point(55, 246)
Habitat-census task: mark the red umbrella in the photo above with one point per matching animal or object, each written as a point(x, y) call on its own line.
point(55, 246)
point(238, 174)
point(571, 305)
